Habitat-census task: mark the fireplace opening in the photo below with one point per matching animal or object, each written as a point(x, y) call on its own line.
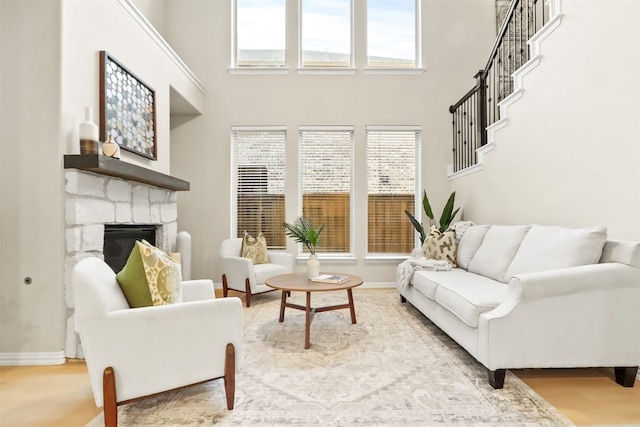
point(119, 240)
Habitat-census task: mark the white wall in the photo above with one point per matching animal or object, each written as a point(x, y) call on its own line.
point(570, 154)
point(49, 73)
point(457, 38)
point(31, 241)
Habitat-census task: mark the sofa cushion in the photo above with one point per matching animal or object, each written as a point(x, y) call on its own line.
point(264, 271)
point(498, 248)
point(440, 246)
point(547, 247)
point(427, 281)
point(470, 296)
point(469, 244)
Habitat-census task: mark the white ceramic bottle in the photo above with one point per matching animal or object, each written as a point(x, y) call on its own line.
point(88, 132)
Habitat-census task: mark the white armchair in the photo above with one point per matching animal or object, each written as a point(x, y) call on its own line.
point(133, 353)
point(240, 274)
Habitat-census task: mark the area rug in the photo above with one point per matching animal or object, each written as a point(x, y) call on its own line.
point(394, 367)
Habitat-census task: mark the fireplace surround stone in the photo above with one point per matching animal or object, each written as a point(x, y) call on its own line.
point(93, 200)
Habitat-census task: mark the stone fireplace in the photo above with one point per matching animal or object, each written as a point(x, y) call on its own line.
point(97, 197)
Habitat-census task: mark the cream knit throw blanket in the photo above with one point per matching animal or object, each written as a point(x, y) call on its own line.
point(407, 268)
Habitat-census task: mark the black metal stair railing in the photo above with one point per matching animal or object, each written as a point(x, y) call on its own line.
point(478, 108)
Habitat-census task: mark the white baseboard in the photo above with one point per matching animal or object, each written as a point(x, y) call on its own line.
point(39, 358)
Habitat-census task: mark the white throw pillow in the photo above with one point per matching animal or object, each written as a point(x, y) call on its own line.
point(497, 250)
point(547, 247)
point(469, 244)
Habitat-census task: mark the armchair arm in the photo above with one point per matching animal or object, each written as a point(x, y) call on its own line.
point(197, 290)
point(158, 348)
point(237, 269)
point(281, 258)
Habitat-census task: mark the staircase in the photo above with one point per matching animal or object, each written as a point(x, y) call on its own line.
point(484, 109)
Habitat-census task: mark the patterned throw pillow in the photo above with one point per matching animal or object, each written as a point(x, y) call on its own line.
point(441, 246)
point(255, 248)
point(163, 274)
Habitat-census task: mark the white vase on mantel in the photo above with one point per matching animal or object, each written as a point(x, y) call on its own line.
point(313, 266)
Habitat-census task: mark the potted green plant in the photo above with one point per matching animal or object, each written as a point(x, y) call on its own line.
point(447, 216)
point(302, 231)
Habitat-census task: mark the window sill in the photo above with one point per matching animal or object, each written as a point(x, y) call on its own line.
point(393, 71)
point(259, 70)
point(326, 71)
point(386, 259)
point(330, 259)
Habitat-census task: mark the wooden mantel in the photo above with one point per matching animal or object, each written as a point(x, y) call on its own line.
point(104, 165)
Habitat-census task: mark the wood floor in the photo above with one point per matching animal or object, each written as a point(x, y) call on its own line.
point(52, 396)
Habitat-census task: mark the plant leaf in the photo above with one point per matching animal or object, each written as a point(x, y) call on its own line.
point(419, 227)
point(427, 206)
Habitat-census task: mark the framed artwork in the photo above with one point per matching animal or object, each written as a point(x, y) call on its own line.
point(127, 108)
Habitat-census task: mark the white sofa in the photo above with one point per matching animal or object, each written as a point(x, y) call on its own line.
point(537, 296)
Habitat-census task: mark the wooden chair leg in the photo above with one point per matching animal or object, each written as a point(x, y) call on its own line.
point(110, 404)
point(248, 290)
point(225, 286)
point(230, 375)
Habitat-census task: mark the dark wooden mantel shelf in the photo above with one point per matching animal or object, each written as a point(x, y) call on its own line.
point(104, 165)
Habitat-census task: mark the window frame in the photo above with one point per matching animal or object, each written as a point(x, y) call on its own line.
point(349, 69)
point(347, 256)
point(417, 202)
point(234, 174)
point(417, 68)
point(237, 69)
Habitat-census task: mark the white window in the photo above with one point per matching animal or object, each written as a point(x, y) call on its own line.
point(326, 168)
point(392, 33)
point(325, 33)
point(259, 156)
point(392, 179)
point(260, 33)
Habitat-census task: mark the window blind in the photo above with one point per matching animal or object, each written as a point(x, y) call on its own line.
point(392, 176)
point(325, 184)
point(259, 157)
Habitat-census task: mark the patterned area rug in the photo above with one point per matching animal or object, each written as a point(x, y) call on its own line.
point(394, 367)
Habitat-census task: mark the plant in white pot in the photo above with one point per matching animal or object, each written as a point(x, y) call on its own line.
point(302, 231)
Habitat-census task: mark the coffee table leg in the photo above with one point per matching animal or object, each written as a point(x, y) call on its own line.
point(307, 327)
point(283, 301)
point(351, 307)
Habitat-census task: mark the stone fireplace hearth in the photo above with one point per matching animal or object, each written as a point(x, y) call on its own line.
point(93, 200)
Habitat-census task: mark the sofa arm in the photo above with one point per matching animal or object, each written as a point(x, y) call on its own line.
point(575, 317)
point(566, 281)
point(197, 290)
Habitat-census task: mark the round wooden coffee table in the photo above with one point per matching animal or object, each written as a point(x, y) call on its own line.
point(298, 282)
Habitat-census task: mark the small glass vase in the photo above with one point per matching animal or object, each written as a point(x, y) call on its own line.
point(313, 266)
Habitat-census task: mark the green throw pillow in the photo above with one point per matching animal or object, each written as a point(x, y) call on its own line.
point(133, 281)
point(163, 274)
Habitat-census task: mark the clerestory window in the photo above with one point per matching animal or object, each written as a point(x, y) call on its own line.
point(392, 33)
point(326, 33)
point(260, 33)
